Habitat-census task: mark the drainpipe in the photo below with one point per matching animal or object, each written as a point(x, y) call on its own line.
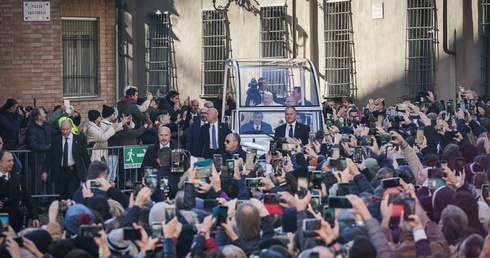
point(293, 28)
point(444, 30)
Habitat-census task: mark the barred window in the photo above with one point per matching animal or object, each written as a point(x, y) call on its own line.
point(485, 52)
point(273, 38)
point(157, 52)
point(214, 43)
point(340, 72)
point(421, 46)
point(80, 57)
point(273, 42)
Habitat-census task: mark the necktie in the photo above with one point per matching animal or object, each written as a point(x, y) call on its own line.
point(4, 178)
point(257, 128)
point(291, 135)
point(213, 138)
point(65, 153)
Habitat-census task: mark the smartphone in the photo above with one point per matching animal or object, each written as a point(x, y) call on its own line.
point(329, 215)
point(156, 230)
point(311, 224)
point(316, 202)
point(302, 187)
point(88, 231)
point(312, 136)
point(277, 166)
point(329, 122)
point(390, 182)
point(345, 138)
point(148, 171)
point(461, 89)
point(230, 164)
point(317, 179)
point(4, 219)
point(63, 206)
point(217, 161)
point(402, 162)
point(209, 204)
point(392, 113)
point(435, 183)
point(334, 163)
point(408, 208)
point(95, 183)
point(460, 164)
point(420, 136)
point(137, 186)
point(169, 212)
point(273, 147)
point(343, 189)
point(443, 163)
point(485, 191)
point(339, 202)
point(131, 234)
point(151, 182)
point(19, 241)
point(249, 163)
point(189, 228)
point(385, 137)
point(341, 164)
point(358, 155)
point(163, 183)
point(253, 182)
point(220, 213)
point(329, 178)
point(397, 198)
point(272, 198)
point(371, 103)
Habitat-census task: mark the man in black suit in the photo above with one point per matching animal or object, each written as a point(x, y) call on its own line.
point(12, 192)
point(213, 135)
point(292, 128)
point(257, 124)
point(68, 159)
point(151, 154)
point(193, 133)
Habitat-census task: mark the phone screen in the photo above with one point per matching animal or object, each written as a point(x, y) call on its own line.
point(151, 182)
point(217, 161)
point(169, 212)
point(329, 215)
point(4, 219)
point(156, 230)
point(420, 136)
point(302, 187)
point(343, 189)
point(390, 182)
point(253, 182)
point(485, 191)
point(311, 224)
point(339, 202)
point(408, 208)
point(358, 155)
point(131, 234)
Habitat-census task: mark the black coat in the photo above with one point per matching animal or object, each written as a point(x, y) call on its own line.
point(151, 155)
point(205, 140)
point(9, 128)
point(192, 139)
point(301, 131)
point(16, 191)
point(39, 142)
point(55, 155)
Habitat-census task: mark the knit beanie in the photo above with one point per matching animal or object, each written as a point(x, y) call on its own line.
point(107, 111)
point(93, 115)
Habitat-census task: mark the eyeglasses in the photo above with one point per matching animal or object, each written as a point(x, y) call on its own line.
point(228, 141)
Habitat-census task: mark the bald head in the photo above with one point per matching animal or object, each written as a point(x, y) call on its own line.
point(212, 115)
point(164, 134)
point(66, 128)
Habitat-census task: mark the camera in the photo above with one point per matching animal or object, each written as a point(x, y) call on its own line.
point(364, 141)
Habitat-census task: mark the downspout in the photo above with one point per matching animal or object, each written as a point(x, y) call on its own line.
point(444, 29)
point(121, 57)
point(293, 28)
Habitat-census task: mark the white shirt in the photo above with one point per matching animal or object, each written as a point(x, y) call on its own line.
point(211, 135)
point(168, 145)
point(71, 161)
point(288, 127)
point(7, 175)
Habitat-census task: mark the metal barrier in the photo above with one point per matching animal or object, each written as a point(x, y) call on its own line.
point(33, 162)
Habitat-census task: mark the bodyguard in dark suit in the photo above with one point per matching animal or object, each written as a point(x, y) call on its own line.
point(292, 128)
point(12, 192)
point(213, 135)
point(151, 154)
point(257, 124)
point(193, 133)
point(68, 160)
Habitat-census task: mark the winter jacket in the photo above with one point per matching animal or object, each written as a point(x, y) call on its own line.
point(38, 141)
point(10, 123)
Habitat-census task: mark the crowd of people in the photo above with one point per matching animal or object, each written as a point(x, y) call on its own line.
point(406, 180)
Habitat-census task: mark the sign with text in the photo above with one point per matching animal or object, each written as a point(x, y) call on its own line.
point(377, 10)
point(37, 11)
point(133, 156)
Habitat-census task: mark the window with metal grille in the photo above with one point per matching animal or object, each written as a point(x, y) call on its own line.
point(485, 52)
point(340, 72)
point(80, 57)
point(214, 43)
point(273, 43)
point(273, 38)
point(421, 46)
point(157, 52)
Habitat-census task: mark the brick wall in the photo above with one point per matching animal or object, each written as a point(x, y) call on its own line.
point(31, 54)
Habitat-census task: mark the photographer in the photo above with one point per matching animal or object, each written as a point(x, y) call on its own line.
point(12, 118)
